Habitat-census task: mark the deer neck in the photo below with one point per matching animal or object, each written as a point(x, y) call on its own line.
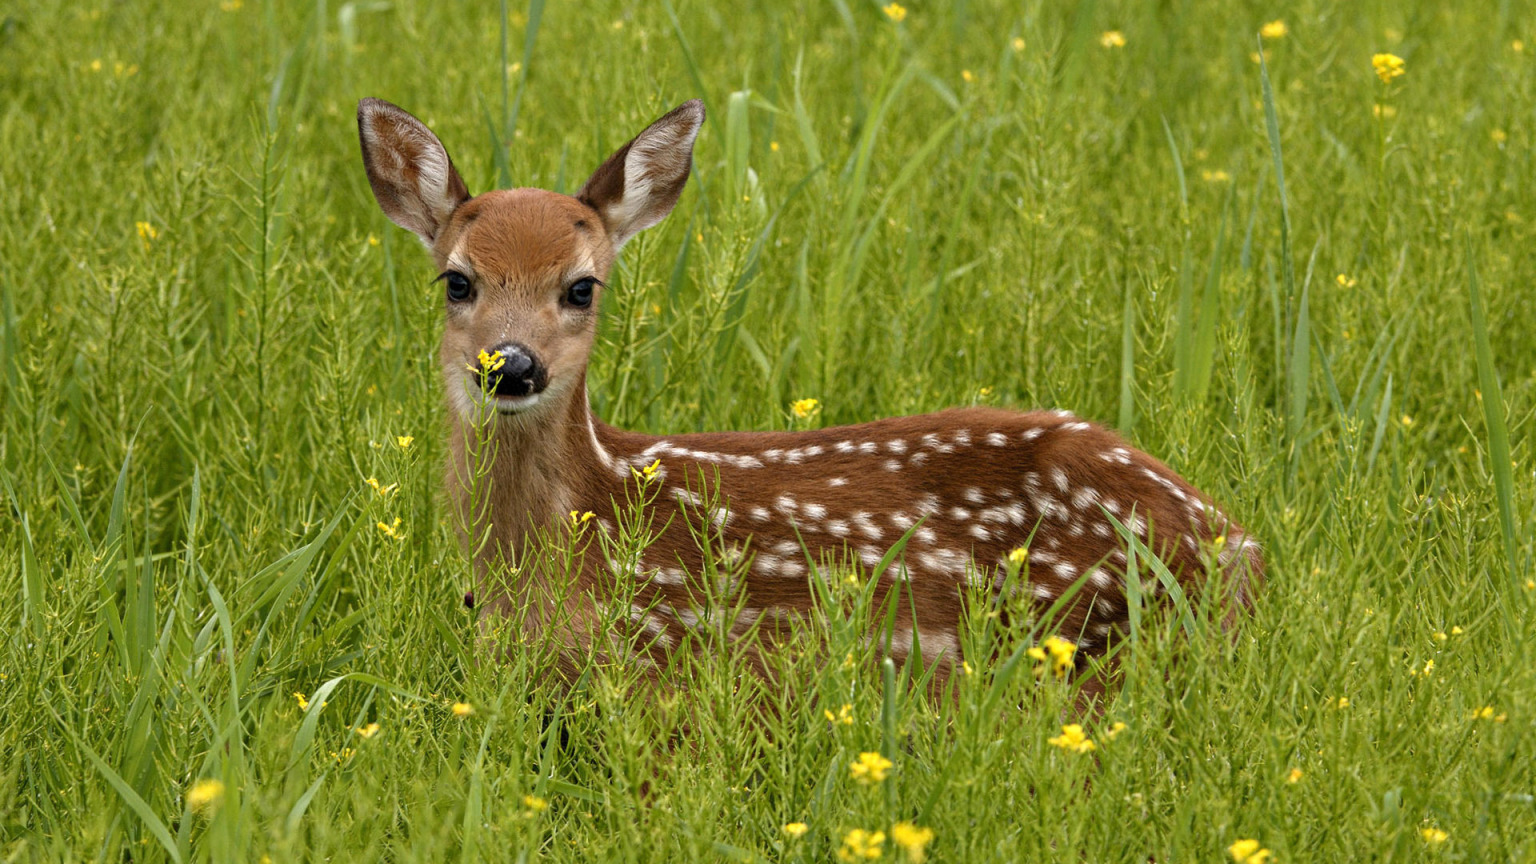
point(534, 470)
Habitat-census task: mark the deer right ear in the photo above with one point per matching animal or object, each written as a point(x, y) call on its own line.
point(412, 177)
point(639, 185)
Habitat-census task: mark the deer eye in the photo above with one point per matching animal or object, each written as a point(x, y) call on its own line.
point(579, 294)
point(459, 289)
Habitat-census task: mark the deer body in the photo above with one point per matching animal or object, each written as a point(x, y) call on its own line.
point(967, 487)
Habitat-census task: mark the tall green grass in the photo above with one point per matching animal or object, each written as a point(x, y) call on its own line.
point(1303, 288)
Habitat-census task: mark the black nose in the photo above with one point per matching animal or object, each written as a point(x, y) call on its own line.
point(520, 373)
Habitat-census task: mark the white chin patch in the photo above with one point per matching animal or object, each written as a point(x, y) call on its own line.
point(515, 404)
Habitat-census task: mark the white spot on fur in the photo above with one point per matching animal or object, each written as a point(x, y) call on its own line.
point(1031, 434)
point(838, 481)
point(997, 439)
point(896, 445)
point(814, 511)
point(892, 465)
point(760, 514)
point(973, 495)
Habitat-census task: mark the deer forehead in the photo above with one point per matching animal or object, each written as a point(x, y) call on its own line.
point(525, 238)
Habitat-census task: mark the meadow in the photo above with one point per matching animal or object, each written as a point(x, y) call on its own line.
point(233, 594)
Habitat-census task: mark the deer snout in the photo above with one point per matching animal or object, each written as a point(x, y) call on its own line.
point(519, 374)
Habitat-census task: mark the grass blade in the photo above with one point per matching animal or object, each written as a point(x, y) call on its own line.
point(1493, 416)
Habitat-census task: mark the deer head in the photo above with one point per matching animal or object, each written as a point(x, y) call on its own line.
point(522, 270)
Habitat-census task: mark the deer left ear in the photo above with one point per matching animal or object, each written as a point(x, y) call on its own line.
point(640, 184)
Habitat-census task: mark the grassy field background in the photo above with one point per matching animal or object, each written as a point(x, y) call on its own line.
point(212, 339)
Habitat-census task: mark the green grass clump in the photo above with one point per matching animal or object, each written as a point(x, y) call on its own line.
point(211, 340)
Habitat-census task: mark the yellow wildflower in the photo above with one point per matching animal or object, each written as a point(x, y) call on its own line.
point(1341, 702)
point(231, 5)
point(1217, 176)
point(368, 731)
point(373, 240)
point(384, 491)
point(1018, 556)
point(1112, 39)
point(648, 473)
point(795, 830)
point(1114, 729)
point(1384, 111)
point(804, 408)
point(1499, 136)
point(1483, 713)
point(861, 845)
point(773, 146)
point(1434, 836)
point(1439, 636)
point(205, 794)
point(967, 76)
point(869, 768)
point(1429, 667)
point(1073, 739)
point(489, 362)
point(1457, 631)
point(147, 232)
point(1294, 776)
point(1249, 852)
point(579, 519)
point(1017, 44)
point(843, 717)
point(1344, 280)
point(1388, 66)
point(912, 840)
point(965, 666)
point(1058, 651)
point(95, 66)
point(405, 441)
point(535, 804)
point(303, 701)
point(1275, 29)
point(895, 11)
point(462, 709)
point(1517, 46)
point(392, 530)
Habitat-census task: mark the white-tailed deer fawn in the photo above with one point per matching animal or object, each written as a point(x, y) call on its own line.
point(523, 273)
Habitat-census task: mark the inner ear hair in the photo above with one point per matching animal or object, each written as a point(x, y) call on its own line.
point(411, 174)
point(640, 183)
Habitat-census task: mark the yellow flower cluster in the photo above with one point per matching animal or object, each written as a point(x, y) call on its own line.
point(1250, 852)
point(912, 840)
point(1434, 836)
point(535, 804)
point(804, 408)
point(1059, 652)
point(1112, 39)
point(861, 845)
point(368, 731)
point(795, 830)
point(579, 519)
point(1018, 556)
point(843, 717)
point(391, 529)
point(488, 362)
point(648, 473)
point(1388, 66)
point(205, 794)
point(895, 11)
point(462, 709)
point(869, 768)
point(384, 491)
point(1275, 29)
point(1073, 739)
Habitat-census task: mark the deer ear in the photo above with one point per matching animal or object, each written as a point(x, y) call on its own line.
point(639, 185)
point(412, 177)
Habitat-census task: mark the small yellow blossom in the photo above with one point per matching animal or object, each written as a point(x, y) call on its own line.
point(1434, 836)
point(343, 754)
point(205, 794)
point(795, 830)
point(1457, 631)
point(967, 76)
point(1058, 651)
point(843, 717)
point(95, 66)
point(1517, 46)
point(489, 362)
point(231, 5)
point(1249, 852)
point(1344, 280)
point(1530, 584)
point(1499, 136)
point(405, 441)
point(535, 804)
point(1258, 57)
point(1384, 112)
point(895, 11)
point(965, 666)
point(1341, 703)
point(618, 25)
point(1429, 667)
point(1294, 776)
point(125, 70)
point(579, 519)
point(1388, 66)
point(1483, 713)
point(1018, 556)
point(1073, 739)
point(391, 529)
point(1440, 636)
point(774, 146)
point(147, 232)
point(302, 700)
point(869, 768)
point(1407, 420)
point(462, 709)
point(984, 393)
point(1275, 29)
point(804, 408)
point(861, 845)
point(1217, 176)
point(373, 240)
point(368, 731)
point(912, 840)
point(1017, 44)
point(1114, 730)
point(1112, 39)
point(384, 491)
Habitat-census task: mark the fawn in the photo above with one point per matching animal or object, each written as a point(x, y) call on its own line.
point(523, 272)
